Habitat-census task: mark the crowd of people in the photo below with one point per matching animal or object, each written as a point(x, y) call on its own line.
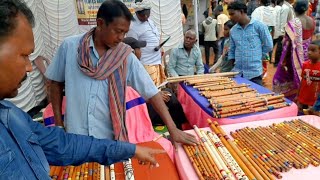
point(95, 69)
point(268, 31)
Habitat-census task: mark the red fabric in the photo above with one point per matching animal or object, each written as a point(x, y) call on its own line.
point(308, 91)
point(307, 33)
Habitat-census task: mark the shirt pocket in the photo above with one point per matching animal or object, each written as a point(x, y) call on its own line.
point(38, 152)
point(6, 157)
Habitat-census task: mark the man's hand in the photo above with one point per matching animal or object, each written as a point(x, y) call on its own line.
point(165, 96)
point(179, 136)
point(145, 154)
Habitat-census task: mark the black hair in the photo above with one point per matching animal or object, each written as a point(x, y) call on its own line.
point(219, 8)
point(111, 9)
point(9, 11)
point(229, 24)
point(277, 2)
point(301, 6)
point(265, 2)
point(238, 5)
point(206, 13)
point(185, 10)
point(316, 42)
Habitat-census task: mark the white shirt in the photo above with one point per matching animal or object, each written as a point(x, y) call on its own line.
point(265, 14)
point(277, 28)
point(287, 13)
point(210, 30)
point(146, 31)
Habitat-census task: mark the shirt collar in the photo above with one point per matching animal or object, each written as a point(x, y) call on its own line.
point(251, 22)
point(91, 44)
point(4, 104)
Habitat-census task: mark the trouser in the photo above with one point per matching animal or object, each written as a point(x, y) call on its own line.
point(278, 50)
point(175, 110)
point(257, 80)
point(207, 46)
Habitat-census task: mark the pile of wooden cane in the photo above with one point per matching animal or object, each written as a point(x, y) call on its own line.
point(228, 98)
point(218, 157)
point(91, 170)
point(282, 146)
point(201, 76)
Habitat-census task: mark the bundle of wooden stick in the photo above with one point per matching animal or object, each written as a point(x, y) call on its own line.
point(228, 98)
point(202, 76)
point(91, 170)
point(218, 157)
point(282, 146)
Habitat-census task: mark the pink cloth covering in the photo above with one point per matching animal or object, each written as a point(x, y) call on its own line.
point(139, 124)
point(197, 116)
point(187, 172)
point(137, 121)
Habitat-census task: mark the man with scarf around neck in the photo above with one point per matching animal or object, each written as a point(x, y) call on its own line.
point(95, 68)
point(27, 147)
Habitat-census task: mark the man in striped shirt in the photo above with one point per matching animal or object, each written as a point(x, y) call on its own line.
point(250, 42)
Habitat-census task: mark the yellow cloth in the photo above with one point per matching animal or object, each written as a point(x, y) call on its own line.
point(225, 9)
point(156, 73)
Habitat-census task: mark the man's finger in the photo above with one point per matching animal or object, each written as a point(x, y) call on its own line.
point(158, 151)
point(152, 160)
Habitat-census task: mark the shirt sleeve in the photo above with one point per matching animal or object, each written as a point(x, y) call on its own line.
point(284, 13)
point(232, 48)
point(265, 36)
point(56, 69)
point(199, 63)
point(62, 148)
point(173, 63)
point(139, 79)
point(132, 32)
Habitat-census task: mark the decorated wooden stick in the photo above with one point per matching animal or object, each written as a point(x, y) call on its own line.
point(235, 168)
point(247, 167)
point(195, 166)
point(128, 170)
point(217, 160)
point(112, 172)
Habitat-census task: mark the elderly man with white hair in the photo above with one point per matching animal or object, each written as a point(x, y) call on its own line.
point(144, 29)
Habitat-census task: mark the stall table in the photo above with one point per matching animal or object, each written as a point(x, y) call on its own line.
point(187, 172)
point(197, 110)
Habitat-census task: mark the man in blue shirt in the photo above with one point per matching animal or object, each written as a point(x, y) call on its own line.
point(27, 147)
point(185, 58)
point(250, 42)
point(94, 99)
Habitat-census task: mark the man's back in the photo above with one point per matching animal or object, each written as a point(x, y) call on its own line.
point(210, 29)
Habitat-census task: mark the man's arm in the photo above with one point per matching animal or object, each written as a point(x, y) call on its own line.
point(172, 64)
point(140, 80)
point(199, 63)
point(56, 73)
point(266, 39)
point(232, 48)
point(177, 135)
point(61, 148)
point(56, 89)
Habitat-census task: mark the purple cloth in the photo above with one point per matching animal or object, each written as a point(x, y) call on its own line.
point(287, 79)
point(204, 103)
